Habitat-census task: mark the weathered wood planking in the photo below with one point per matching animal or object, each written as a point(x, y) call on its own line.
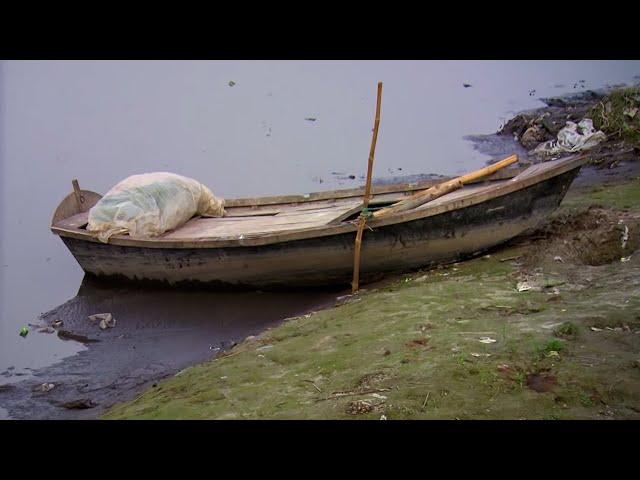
point(79, 220)
point(313, 227)
point(285, 220)
point(69, 205)
point(359, 191)
point(446, 236)
point(464, 192)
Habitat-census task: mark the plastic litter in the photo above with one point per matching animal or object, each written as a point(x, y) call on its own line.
point(150, 204)
point(625, 259)
point(572, 138)
point(625, 237)
point(46, 387)
point(24, 331)
point(487, 340)
point(106, 320)
point(104, 324)
point(523, 286)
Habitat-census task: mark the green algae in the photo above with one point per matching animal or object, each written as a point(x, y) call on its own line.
point(625, 196)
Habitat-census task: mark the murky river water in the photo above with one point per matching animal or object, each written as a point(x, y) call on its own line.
point(243, 128)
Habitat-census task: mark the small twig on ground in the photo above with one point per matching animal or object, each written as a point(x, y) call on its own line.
point(510, 258)
point(221, 355)
point(613, 385)
point(475, 333)
point(361, 392)
point(426, 399)
point(309, 381)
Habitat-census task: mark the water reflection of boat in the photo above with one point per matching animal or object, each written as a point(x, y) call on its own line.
point(305, 240)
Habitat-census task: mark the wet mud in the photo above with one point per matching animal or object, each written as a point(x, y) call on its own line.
point(157, 333)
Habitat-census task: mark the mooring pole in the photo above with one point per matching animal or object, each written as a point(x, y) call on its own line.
point(362, 219)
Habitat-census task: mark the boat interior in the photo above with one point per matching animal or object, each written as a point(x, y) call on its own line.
point(274, 214)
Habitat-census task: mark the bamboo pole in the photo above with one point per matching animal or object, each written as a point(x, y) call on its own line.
point(362, 220)
point(443, 188)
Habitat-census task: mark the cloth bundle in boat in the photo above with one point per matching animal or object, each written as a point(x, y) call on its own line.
point(150, 204)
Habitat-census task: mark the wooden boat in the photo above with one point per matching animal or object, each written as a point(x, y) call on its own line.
point(308, 240)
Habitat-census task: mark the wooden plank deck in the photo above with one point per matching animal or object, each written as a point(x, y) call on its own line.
point(260, 220)
point(79, 220)
point(270, 218)
point(286, 219)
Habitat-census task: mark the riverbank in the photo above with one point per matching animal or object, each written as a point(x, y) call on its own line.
point(456, 342)
point(545, 327)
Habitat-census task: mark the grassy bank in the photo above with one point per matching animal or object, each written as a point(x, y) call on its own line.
point(455, 342)
point(618, 115)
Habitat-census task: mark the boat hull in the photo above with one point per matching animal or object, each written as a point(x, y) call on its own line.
point(328, 261)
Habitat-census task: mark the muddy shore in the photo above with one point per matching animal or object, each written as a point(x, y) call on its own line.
point(545, 327)
point(328, 365)
point(157, 333)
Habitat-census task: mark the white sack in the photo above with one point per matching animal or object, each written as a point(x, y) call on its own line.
point(572, 138)
point(150, 204)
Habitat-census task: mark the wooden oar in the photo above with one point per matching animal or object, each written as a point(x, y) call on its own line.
point(367, 194)
point(443, 188)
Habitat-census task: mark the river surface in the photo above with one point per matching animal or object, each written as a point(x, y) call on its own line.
point(244, 128)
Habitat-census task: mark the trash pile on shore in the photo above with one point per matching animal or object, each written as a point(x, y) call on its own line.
point(607, 125)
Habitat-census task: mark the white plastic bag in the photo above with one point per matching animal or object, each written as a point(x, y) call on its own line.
point(150, 204)
point(572, 138)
